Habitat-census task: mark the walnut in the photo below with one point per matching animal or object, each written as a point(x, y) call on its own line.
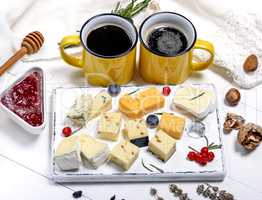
point(250, 63)
point(233, 121)
point(250, 136)
point(232, 97)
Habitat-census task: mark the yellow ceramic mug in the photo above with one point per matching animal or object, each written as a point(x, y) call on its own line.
point(102, 69)
point(170, 69)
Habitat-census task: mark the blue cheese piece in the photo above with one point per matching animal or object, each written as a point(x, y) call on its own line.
point(102, 102)
point(124, 154)
point(93, 152)
point(136, 132)
point(67, 154)
point(80, 111)
point(162, 145)
point(195, 100)
point(109, 126)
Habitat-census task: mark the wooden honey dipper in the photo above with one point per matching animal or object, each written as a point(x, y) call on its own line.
point(31, 44)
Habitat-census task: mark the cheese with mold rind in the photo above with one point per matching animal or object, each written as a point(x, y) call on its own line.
point(197, 101)
point(93, 152)
point(67, 154)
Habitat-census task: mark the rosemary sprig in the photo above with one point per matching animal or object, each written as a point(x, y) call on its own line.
point(142, 161)
point(133, 92)
point(214, 147)
point(131, 9)
point(157, 168)
point(199, 95)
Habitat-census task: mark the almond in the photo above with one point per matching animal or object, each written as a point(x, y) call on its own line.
point(251, 63)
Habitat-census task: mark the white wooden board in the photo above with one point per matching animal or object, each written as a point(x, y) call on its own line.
point(178, 168)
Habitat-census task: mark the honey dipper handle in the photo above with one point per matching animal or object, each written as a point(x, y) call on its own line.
point(19, 54)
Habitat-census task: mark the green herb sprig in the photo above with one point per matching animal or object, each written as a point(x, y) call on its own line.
point(132, 9)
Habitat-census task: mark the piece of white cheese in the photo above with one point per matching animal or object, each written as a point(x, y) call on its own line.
point(109, 126)
point(162, 145)
point(93, 152)
point(199, 102)
point(136, 132)
point(102, 102)
point(80, 111)
point(67, 154)
point(124, 154)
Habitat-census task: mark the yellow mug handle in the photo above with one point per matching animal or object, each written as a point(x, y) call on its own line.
point(70, 59)
point(207, 46)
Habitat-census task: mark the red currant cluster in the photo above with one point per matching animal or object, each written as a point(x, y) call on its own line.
point(202, 157)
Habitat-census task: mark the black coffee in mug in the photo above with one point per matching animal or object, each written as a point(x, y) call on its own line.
point(167, 41)
point(108, 40)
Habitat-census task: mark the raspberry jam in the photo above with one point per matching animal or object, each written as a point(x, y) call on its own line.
point(25, 98)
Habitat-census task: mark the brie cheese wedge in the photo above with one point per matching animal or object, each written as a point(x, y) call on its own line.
point(67, 154)
point(199, 102)
point(93, 153)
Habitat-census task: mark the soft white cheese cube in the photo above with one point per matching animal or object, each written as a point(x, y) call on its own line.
point(109, 126)
point(67, 154)
point(124, 154)
point(93, 152)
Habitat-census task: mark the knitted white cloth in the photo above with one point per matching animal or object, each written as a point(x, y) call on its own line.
point(239, 35)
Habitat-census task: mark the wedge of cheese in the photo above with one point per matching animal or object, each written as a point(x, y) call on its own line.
point(136, 132)
point(197, 101)
point(150, 99)
point(124, 154)
point(109, 126)
point(162, 145)
point(130, 106)
point(67, 154)
point(102, 102)
point(172, 125)
point(93, 152)
point(80, 111)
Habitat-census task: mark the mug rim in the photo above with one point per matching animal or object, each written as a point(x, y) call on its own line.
point(159, 54)
point(115, 56)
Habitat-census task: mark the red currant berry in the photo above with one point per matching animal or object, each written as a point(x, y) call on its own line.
point(203, 161)
point(198, 158)
point(166, 91)
point(67, 131)
point(204, 154)
point(204, 150)
point(191, 155)
point(211, 156)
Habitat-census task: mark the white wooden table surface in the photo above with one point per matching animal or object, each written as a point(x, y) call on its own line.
point(24, 158)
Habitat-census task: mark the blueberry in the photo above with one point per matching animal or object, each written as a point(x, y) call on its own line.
point(152, 121)
point(77, 194)
point(114, 90)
